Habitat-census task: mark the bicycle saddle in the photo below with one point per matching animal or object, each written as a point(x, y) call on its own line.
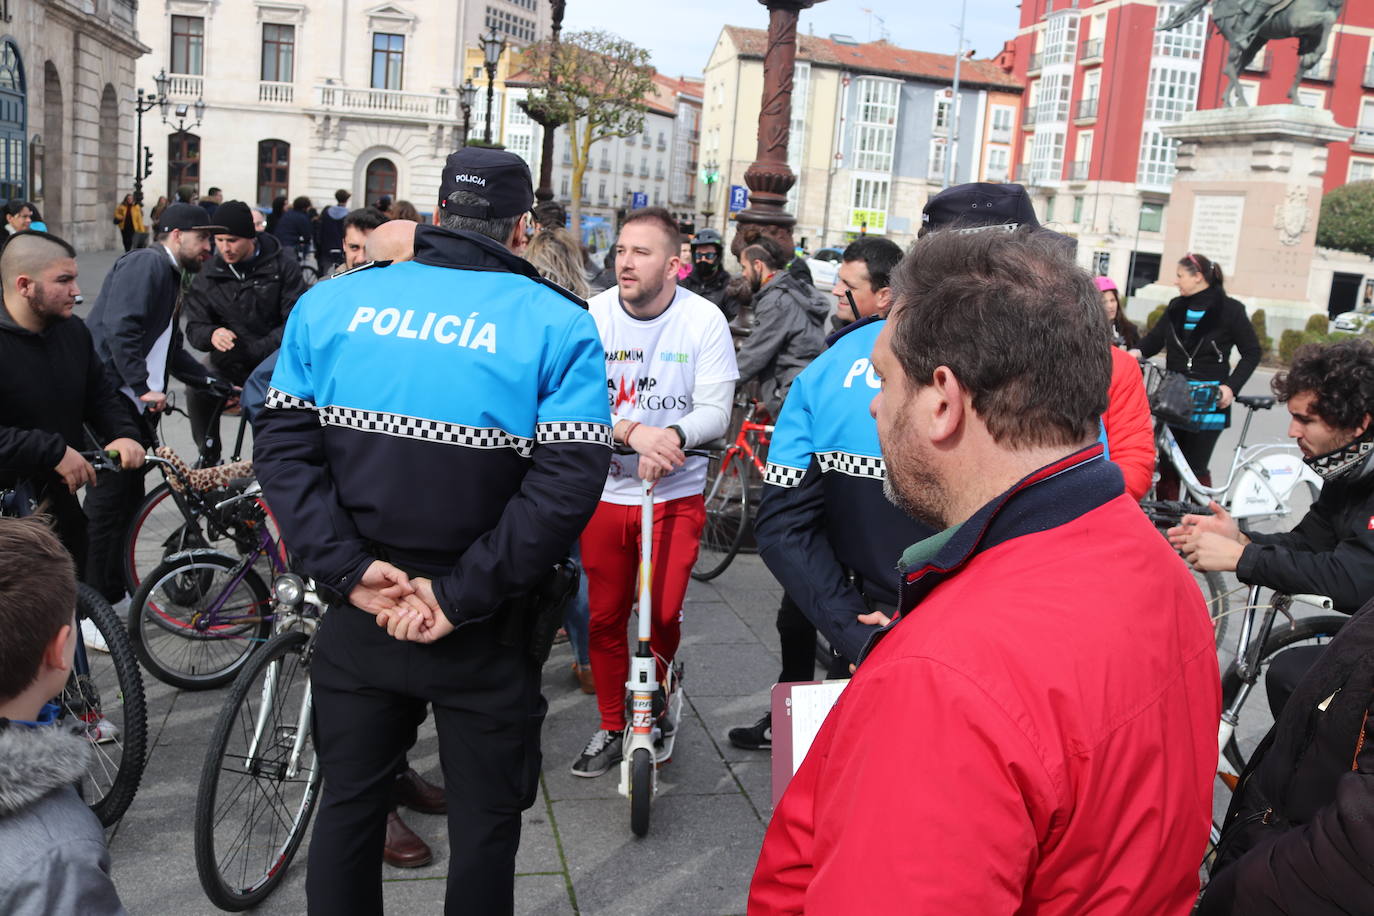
point(203, 479)
point(1255, 401)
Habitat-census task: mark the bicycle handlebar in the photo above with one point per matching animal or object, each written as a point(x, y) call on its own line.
point(103, 460)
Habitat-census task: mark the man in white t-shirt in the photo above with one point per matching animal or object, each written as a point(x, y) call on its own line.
point(670, 375)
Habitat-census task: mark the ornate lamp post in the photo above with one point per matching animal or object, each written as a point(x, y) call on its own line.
point(769, 178)
point(468, 95)
point(710, 174)
point(549, 124)
point(493, 47)
point(144, 103)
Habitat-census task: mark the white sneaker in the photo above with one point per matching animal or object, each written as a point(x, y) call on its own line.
point(100, 729)
point(91, 636)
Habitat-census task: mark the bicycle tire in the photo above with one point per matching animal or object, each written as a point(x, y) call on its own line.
point(113, 689)
point(282, 665)
point(1213, 585)
point(1302, 630)
point(727, 516)
point(166, 632)
point(641, 790)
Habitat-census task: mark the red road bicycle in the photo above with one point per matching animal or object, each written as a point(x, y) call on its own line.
point(733, 478)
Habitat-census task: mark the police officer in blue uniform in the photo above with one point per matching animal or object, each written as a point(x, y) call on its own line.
point(435, 437)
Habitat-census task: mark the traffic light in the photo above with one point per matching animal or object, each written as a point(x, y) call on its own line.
point(147, 162)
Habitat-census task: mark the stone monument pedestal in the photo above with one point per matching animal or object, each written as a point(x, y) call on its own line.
point(1247, 194)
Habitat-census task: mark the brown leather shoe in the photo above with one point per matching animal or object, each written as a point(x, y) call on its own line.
point(583, 673)
point(418, 795)
point(403, 848)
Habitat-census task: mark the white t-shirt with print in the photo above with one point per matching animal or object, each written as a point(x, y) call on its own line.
point(652, 368)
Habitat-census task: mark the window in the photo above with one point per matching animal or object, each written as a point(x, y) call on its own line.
point(1172, 93)
point(1047, 156)
point(601, 190)
point(1151, 217)
point(876, 130)
point(937, 158)
point(1187, 40)
point(1061, 39)
point(1312, 98)
point(1049, 209)
point(1054, 98)
point(522, 144)
point(869, 211)
point(388, 54)
point(188, 45)
point(564, 185)
point(1003, 118)
point(1085, 147)
point(278, 52)
point(998, 162)
point(380, 181)
point(1157, 152)
point(274, 170)
point(518, 27)
point(1361, 170)
point(801, 92)
point(183, 160)
point(940, 122)
point(1078, 210)
point(1092, 83)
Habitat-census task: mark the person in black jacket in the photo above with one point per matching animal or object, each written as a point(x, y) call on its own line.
point(236, 309)
point(1197, 332)
point(138, 336)
point(52, 385)
point(709, 277)
point(329, 234)
point(294, 230)
point(1330, 394)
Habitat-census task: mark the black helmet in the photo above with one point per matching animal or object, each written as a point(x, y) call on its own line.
point(708, 237)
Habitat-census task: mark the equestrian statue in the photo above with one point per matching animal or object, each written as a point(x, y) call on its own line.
point(1247, 25)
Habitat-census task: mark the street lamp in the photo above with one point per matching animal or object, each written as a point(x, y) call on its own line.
point(468, 95)
point(493, 47)
point(145, 102)
point(710, 174)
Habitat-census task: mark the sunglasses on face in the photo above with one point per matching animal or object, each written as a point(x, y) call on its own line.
point(706, 256)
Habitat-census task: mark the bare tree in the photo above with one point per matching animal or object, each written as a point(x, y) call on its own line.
point(594, 82)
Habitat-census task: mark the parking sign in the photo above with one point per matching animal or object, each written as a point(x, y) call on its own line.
point(639, 201)
point(739, 198)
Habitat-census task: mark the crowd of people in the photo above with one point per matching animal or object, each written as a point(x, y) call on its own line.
point(961, 438)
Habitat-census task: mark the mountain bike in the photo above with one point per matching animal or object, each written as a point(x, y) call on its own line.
point(105, 690)
point(261, 779)
point(198, 616)
point(733, 477)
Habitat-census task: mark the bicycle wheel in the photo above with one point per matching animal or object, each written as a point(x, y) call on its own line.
point(1308, 631)
point(260, 780)
point(105, 691)
point(727, 516)
point(1218, 597)
point(641, 790)
point(196, 619)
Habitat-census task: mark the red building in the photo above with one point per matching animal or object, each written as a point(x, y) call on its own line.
point(1101, 84)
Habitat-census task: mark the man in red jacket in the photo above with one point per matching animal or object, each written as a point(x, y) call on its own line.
point(1036, 731)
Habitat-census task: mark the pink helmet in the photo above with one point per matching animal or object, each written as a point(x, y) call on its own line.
point(1104, 284)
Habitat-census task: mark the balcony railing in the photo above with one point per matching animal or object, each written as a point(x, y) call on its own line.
point(1037, 63)
point(1000, 135)
point(1087, 109)
point(1028, 116)
point(605, 165)
point(185, 86)
point(1369, 76)
point(389, 103)
point(1078, 170)
point(276, 93)
point(643, 171)
point(1023, 173)
point(1261, 63)
point(1364, 138)
point(1090, 50)
point(1324, 71)
point(628, 170)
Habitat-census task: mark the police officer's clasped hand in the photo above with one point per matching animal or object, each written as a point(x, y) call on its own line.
point(660, 451)
point(382, 590)
point(420, 625)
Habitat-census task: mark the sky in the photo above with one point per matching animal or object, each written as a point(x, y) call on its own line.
point(681, 41)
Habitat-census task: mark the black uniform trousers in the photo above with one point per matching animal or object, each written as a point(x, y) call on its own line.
point(369, 695)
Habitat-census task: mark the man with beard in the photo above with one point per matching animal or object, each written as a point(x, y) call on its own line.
point(670, 376)
point(1036, 729)
point(136, 332)
point(788, 323)
point(709, 277)
point(51, 384)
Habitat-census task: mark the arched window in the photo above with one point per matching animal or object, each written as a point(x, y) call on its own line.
point(274, 170)
point(13, 123)
point(381, 181)
point(183, 161)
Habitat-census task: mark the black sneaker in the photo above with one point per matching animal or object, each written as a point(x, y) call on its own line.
point(756, 737)
point(600, 754)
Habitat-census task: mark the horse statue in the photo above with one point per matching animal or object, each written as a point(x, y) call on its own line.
point(1247, 25)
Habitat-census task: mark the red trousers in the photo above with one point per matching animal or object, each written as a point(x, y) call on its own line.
point(610, 557)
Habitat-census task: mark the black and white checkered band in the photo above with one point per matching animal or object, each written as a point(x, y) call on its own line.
point(280, 400)
point(852, 465)
point(780, 475)
point(392, 424)
point(573, 431)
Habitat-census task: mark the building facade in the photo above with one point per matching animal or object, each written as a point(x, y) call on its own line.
point(1092, 150)
point(303, 97)
point(873, 129)
point(66, 98)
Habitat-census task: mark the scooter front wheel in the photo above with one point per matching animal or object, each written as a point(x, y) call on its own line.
point(641, 789)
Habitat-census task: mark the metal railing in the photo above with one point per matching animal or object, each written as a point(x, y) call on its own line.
point(1364, 138)
point(1078, 170)
point(1087, 108)
point(1028, 116)
point(1090, 49)
point(389, 103)
point(276, 93)
point(1324, 71)
point(1369, 76)
point(1037, 62)
point(1260, 64)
